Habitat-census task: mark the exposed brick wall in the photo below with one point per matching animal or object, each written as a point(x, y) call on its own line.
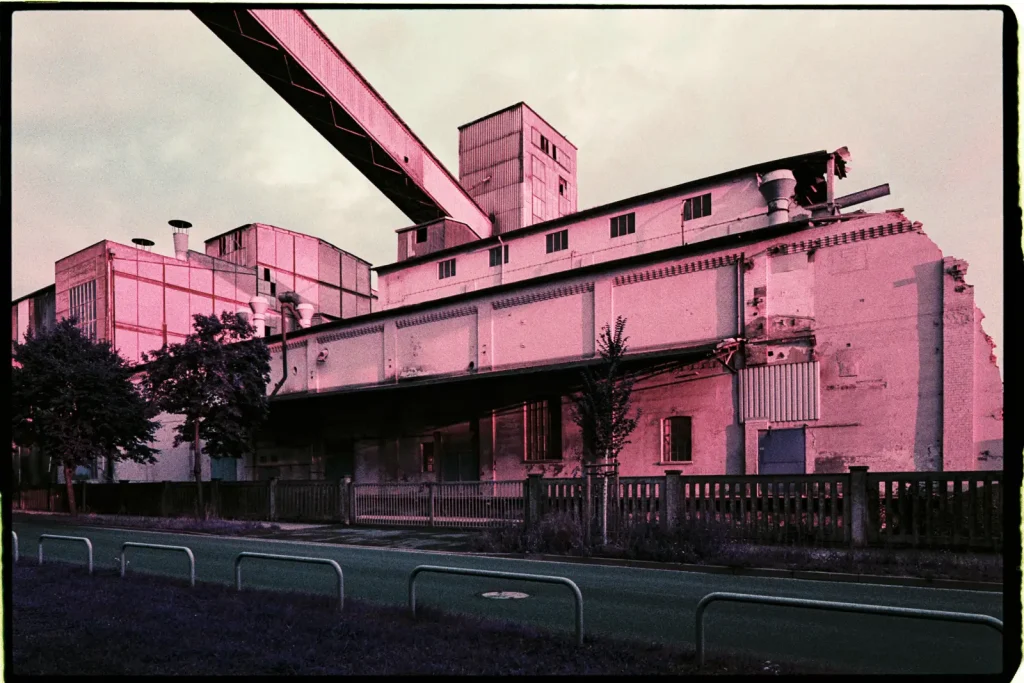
point(958, 332)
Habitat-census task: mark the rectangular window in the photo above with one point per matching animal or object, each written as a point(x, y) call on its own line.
point(554, 152)
point(563, 186)
point(421, 235)
point(543, 430)
point(83, 307)
point(538, 168)
point(446, 269)
point(624, 225)
point(557, 241)
point(545, 145)
point(697, 207)
point(677, 439)
point(496, 254)
point(427, 456)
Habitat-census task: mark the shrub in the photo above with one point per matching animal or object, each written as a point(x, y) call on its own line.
point(557, 533)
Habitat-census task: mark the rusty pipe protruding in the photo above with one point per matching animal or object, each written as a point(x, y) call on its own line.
point(863, 196)
point(777, 187)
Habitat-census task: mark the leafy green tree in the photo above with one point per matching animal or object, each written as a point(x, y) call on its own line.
point(217, 380)
point(601, 409)
point(76, 400)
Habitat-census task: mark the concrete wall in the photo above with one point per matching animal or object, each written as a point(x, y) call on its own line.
point(173, 463)
point(737, 206)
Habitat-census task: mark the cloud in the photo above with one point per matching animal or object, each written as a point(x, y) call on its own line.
point(123, 120)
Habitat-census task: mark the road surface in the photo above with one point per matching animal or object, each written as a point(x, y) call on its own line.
point(646, 605)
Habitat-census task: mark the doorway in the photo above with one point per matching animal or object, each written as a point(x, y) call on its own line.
point(781, 451)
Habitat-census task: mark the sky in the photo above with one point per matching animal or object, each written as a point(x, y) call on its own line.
point(123, 120)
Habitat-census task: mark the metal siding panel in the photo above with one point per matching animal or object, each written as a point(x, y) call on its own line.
point(490, 129)
point(780, 392)
point(490, 154)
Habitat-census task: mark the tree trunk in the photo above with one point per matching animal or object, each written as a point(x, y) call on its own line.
point(68, 474)
point(197, 471)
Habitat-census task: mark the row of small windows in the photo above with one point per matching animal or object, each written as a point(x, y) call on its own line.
point(695, 207)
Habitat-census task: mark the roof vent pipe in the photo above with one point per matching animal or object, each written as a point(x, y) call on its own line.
point(305, 311)
point(259, 307)
point(180, 238)
point(777, 188)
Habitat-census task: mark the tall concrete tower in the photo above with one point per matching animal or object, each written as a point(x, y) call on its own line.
point(517, 167)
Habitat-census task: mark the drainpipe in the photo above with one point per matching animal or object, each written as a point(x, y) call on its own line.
point(288, 301)
point(501, 259)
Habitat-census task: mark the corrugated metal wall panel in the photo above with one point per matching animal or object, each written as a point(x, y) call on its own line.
point(490, 154)
point(786, 392)
point(489, 129)
point(501, 175)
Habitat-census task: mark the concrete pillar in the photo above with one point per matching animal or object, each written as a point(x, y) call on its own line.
point(532, 494)
point(671, 487)
point(346, 500)
point(272, 498)
point(858, 501)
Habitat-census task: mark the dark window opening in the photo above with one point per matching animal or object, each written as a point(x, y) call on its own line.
point(623, 225)
point(421, 235)
point(678, 444)
point(266, 274)
point(427, 456)
point(446, 269)
point(562, 186)
point(544, 145)
point(557, 241)
point(496, 254)
point(543, 432)
point(697, 207)
point(554, 152)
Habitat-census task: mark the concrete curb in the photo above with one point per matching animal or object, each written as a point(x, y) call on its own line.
point(842, 577)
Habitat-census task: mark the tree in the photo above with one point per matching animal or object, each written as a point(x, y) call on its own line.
point(601, 409)
point(76, 400)
point(217, 380)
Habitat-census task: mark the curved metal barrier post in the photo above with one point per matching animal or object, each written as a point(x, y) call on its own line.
point(187, 551)
point(88, 544)
point(577, 596)
point(911, 613)
point(14, 537)
point(292, 558)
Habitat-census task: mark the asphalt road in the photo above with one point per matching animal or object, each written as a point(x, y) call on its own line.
point(645, 605)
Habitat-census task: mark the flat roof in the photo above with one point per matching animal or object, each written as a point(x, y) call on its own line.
point(32, 295)
point(513, 106)
point(808, 158)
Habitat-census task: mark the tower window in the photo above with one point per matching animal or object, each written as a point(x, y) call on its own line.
point(498, 255)
point(421, 235)
point(545, 146)
point(563, 186)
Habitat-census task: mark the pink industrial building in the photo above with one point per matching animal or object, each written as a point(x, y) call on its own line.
point(772, 330)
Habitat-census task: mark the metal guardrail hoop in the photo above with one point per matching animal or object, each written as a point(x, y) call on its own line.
point(577, 596)
point(187, 551)
point(88, 544)
point(937, 615)
point(14, 537)
point(292, 558)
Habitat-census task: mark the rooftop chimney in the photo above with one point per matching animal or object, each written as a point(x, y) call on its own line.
point(180, 237)
point(143, 243)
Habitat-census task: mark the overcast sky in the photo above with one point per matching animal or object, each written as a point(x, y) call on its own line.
point(124, 120)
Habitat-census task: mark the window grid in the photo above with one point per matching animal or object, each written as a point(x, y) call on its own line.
point(623, 225)
point(83, 307)
point(557, 241)
point(496, 254)
point(697, 207)
point(677, 445)
point(446, 269)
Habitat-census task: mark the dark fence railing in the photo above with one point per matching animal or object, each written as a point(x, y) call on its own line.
point(906, 509)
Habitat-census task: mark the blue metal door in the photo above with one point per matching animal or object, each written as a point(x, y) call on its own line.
point(780, 451)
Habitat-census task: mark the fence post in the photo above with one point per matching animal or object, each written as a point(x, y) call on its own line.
point(858, 505)
point(670, 500)
point(215, 497)
point(165, 495)
point(350, 501)
point(272, 496)
point(532, 492)
point(588, 504)
point(83, 507)
point(433, 493)
point(340, 512)
point(49, 498)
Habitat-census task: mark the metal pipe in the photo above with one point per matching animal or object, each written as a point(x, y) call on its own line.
point(577, 595)
point(88, 544)
point(187, 551)
point(286, 305)
point(290, 558)
point(863, 196)
point(14, 536)
point(963, 617)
